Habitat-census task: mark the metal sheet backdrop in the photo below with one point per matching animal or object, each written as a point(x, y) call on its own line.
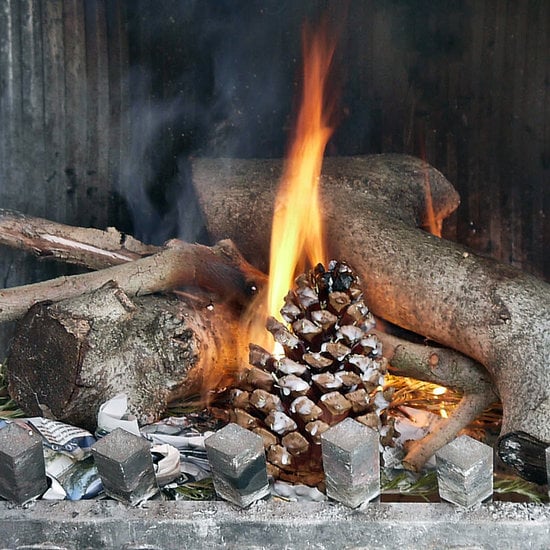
point(102, 101)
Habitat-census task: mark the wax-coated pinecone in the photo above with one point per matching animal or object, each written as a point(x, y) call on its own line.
point(332, 368)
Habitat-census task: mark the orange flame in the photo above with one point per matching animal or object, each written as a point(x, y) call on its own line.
point(297, 231)
point(431, 224)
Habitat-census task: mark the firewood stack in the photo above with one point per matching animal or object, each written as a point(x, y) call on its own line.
point(332, 368)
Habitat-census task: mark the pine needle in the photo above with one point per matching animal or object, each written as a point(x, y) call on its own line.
point(8, 407)
point(426, 486)
point(405, 484)
point(514, 485)
point(197, 490)
point(418, 394)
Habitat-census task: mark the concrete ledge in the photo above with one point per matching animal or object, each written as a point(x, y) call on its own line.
point(272, 524)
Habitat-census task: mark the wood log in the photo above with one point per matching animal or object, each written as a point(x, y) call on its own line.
point(373, 208)
point(69, 357)
point(103, 336)
point(219, 269)
point(88, 247)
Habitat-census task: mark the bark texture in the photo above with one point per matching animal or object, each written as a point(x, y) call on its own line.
point(69, 357)
point(373, 208)
point(219, 269)
point(88, 247)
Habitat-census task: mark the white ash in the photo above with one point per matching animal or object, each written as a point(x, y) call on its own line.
point(288, 366)
point(292, 383)
point(295, 493)
point(327, 380)
point(290, 312)
point(365, 364)
point(349, 333)
point(307, 296)
point(371, 341)
point(380, 403)
point(302, 405)
point(338, 352)
point(280, 423)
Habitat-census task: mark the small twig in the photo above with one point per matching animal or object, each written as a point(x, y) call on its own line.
point(448, 368)
point(445, 430)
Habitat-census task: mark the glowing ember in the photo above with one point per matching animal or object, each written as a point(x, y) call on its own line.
point(431, 224)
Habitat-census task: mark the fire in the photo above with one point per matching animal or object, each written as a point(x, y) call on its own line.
point(297, 225)
point(431, 224)
point(297, 233)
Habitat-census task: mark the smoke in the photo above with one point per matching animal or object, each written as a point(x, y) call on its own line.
point(209, 78)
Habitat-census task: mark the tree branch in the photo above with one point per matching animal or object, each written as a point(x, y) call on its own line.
point(87, 247)
point(219, 269)
point(448, 368)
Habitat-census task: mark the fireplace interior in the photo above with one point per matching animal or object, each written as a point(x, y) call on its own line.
point(116, 111)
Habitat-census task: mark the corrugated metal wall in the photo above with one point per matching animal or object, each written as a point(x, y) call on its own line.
point(63, 66)
point(462, 83)
point(101, 98)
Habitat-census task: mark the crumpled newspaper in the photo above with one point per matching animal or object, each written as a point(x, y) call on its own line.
point(70, 468)
point(114, 414)
point(178, 447)
point(179, 432)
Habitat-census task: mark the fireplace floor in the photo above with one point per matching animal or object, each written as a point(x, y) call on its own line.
point(272, 524)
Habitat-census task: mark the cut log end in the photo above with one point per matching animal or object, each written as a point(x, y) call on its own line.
point(70, 357)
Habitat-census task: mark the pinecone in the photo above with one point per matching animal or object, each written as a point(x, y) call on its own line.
point(332, 368)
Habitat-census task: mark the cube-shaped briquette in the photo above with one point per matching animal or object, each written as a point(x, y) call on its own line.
point(238, 463)
point(465, 471)
point(22, 468)
point(125, 465)
point(351, 461)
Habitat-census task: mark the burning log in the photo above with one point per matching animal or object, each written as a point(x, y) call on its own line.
point(373, 208)
point(69, 357)
point(104, 336)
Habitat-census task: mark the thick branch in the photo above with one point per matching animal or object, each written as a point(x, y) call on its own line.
point(219, 269)
point(373, 208)
point(437, 365)
point(88, 247)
